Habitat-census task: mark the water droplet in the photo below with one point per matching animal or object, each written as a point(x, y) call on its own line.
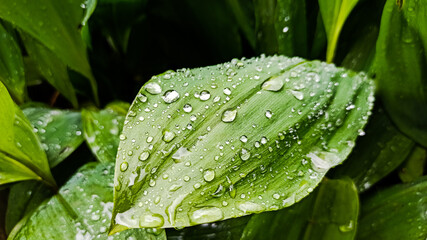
point(144, 156)
point(347, 227)
point(245, 154)
point(124, 166)
point(229, 115)
point(285, 29)
point(322, 161)
point(276, 196)
point(273, 84)
point(250, 207)
point(193, 118)
point(187, 108)
point(170, 96)
point(149, 139)
point(209, 175)
point(227, 91)
point(205, 95)
point(141, 97)
point(243, 139)
point(151, 221)
point(206, 214)
point(297, 94)
point(180, 154)
point(152, 183)
point(153, 88)
point(268, 114)
point(168, 136)
point(122, 137)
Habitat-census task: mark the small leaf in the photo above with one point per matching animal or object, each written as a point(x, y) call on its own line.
point(81, 211)
point(58, 32)
point(329, 213)
point(51, 67)
point(378, 153)
point(334, 14)
point(59, 131)
point(395, 213)
point(102, 130)
point(21, 155)
point(24, 197)
point(413, 168)
point(401, 66)
point(12, 66)
point(225, 141)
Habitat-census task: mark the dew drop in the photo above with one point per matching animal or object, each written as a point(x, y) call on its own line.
point(187, 108)
point(276, 196)
point(153, 88)
point(168, 136)
point(229, 115)
point(206, 214)
point(144, 156)
point(181, 153)
point(227, 91)
point(250, 207)
point(297, 94)
point(273, 84)
point(204, 95)
point(347, 227)
point(151, 221)
point(141, 97)
point(245, 154)
point(124, 166)
point(268, 114)
point(209, 175)
point(243, 139)
point(170, 96)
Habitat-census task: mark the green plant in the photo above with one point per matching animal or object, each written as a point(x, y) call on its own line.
point(285, 119)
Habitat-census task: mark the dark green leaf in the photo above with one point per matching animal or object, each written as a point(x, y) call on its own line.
point(244, 14)
point(24, 197)
point(334, 13)
point(81, 211)
point(51, 67)
point(224, 141)
point(396, 213)
point(414, 165)
point(329, 213)
point(12, 66)
point(58, 32)
point(378, 153)
point(401, 66)
point(102, 130)
point(59, 131)
point(21, 154)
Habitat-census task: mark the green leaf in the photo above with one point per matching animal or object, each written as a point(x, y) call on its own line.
point(81, 211)
point(51, 67)
point(59, 131)
point(395, 213)
point(377, 154)
point(329, 213)
point(21, 155)
point(414, 165)
point(281, 27)
point(401, 66)
point(24, 197)
point(58, 32)
point(243, 13)
point(242, 137)
point(334, 14)
point(102, 130)
point(12, 66)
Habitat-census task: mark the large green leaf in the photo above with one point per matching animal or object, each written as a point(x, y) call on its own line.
point(81, 211)
point(329, 213)
point(12, 65)
point(21, 154)
point(281, 27)
point(60, 131)
point(378, 153)
point(24, 197)
point(401, 66)
point(102, 130)
point(224, 141)
point(51, 67)
point(58, 32)
point(396, 213)
point(334, 13)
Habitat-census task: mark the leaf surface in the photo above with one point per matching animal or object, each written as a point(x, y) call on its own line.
point(414, 165)
point(233, 139)
point(81, 211)
point(102, 130)
point(59, 131)
point(334, 14)
point(12, 65)
point(398, 212)
point(401, 66)
point(21, 154)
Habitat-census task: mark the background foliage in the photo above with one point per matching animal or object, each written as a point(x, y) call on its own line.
point(70, 69)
